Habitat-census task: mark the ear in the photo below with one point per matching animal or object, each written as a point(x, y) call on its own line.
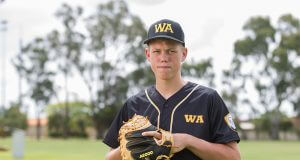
point(147, 53)
point(184, 54)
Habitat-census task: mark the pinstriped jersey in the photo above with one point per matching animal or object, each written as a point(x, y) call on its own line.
point(194, 109)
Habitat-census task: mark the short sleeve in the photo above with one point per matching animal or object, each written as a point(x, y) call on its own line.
point(222, 127)
point(111, 137)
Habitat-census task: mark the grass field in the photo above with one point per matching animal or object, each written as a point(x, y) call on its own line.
point(78, 149)
point(58, 149)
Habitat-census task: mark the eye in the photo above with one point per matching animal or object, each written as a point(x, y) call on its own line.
point(172, 51)
point(156, 51)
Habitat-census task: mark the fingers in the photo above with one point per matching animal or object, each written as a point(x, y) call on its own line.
point(154, 134)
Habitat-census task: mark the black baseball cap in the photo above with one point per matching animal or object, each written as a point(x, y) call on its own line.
point(165, 28)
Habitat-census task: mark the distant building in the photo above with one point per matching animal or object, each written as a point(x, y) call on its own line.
point(296, 122)
point(249, 131)
point(31, 129)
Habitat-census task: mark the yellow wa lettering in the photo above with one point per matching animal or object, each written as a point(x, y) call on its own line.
point(159, 27)
point(169, 28)
point(190, 118)
point(163, 27)
point(194, 118)
point(199, 119)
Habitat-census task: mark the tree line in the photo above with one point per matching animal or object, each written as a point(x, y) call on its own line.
point(105, 50)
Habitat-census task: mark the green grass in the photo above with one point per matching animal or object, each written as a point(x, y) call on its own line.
point(80, 149)
point(273, 150)
point(58, 149)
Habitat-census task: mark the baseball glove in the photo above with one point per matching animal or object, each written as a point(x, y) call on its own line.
point(135, 146)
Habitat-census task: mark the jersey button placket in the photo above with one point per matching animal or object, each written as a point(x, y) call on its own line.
point(164, 116)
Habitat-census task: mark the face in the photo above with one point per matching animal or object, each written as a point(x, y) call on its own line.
point(165, 57)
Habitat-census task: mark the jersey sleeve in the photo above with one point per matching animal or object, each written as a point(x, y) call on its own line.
point(111, 137)
point(222, 127)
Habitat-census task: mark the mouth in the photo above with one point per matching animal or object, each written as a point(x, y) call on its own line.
point(163, 67)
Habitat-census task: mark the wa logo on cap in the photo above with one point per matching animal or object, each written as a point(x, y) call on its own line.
point(163, 27)
point(167, 29)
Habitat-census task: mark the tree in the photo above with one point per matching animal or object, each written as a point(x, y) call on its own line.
point(115, 35)
point(12, 118)
point(285, 126)
point(199, 70)
point(67, 47)
point(267, 58)
point(34, 63)
point(80, 119)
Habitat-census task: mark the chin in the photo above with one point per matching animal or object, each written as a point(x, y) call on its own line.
point(165, 77)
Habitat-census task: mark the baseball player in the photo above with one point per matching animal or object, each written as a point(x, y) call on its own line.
point(195, 115)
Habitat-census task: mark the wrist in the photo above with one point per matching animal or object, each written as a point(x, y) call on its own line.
point(114, 154)
point(187, 140)
point(191, 142)
point(184, 139)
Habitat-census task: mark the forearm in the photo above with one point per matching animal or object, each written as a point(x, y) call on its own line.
point(212, 151)
point(114, 154)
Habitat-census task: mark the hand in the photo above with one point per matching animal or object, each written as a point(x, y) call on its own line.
point(179, 140)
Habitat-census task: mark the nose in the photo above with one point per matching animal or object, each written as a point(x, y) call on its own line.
point(164, 57)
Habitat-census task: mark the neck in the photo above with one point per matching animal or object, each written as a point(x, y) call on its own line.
point(169, 87)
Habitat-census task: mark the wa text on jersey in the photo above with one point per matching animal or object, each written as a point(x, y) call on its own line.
point(193, 118)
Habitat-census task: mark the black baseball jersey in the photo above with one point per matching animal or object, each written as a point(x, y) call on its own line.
point(194, 109)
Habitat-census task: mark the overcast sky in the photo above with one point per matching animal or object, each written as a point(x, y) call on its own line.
point(211, 27)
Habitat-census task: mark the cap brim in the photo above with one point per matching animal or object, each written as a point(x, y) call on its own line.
point(163, 36)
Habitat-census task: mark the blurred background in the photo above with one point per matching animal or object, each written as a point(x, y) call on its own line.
point(67, 67)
